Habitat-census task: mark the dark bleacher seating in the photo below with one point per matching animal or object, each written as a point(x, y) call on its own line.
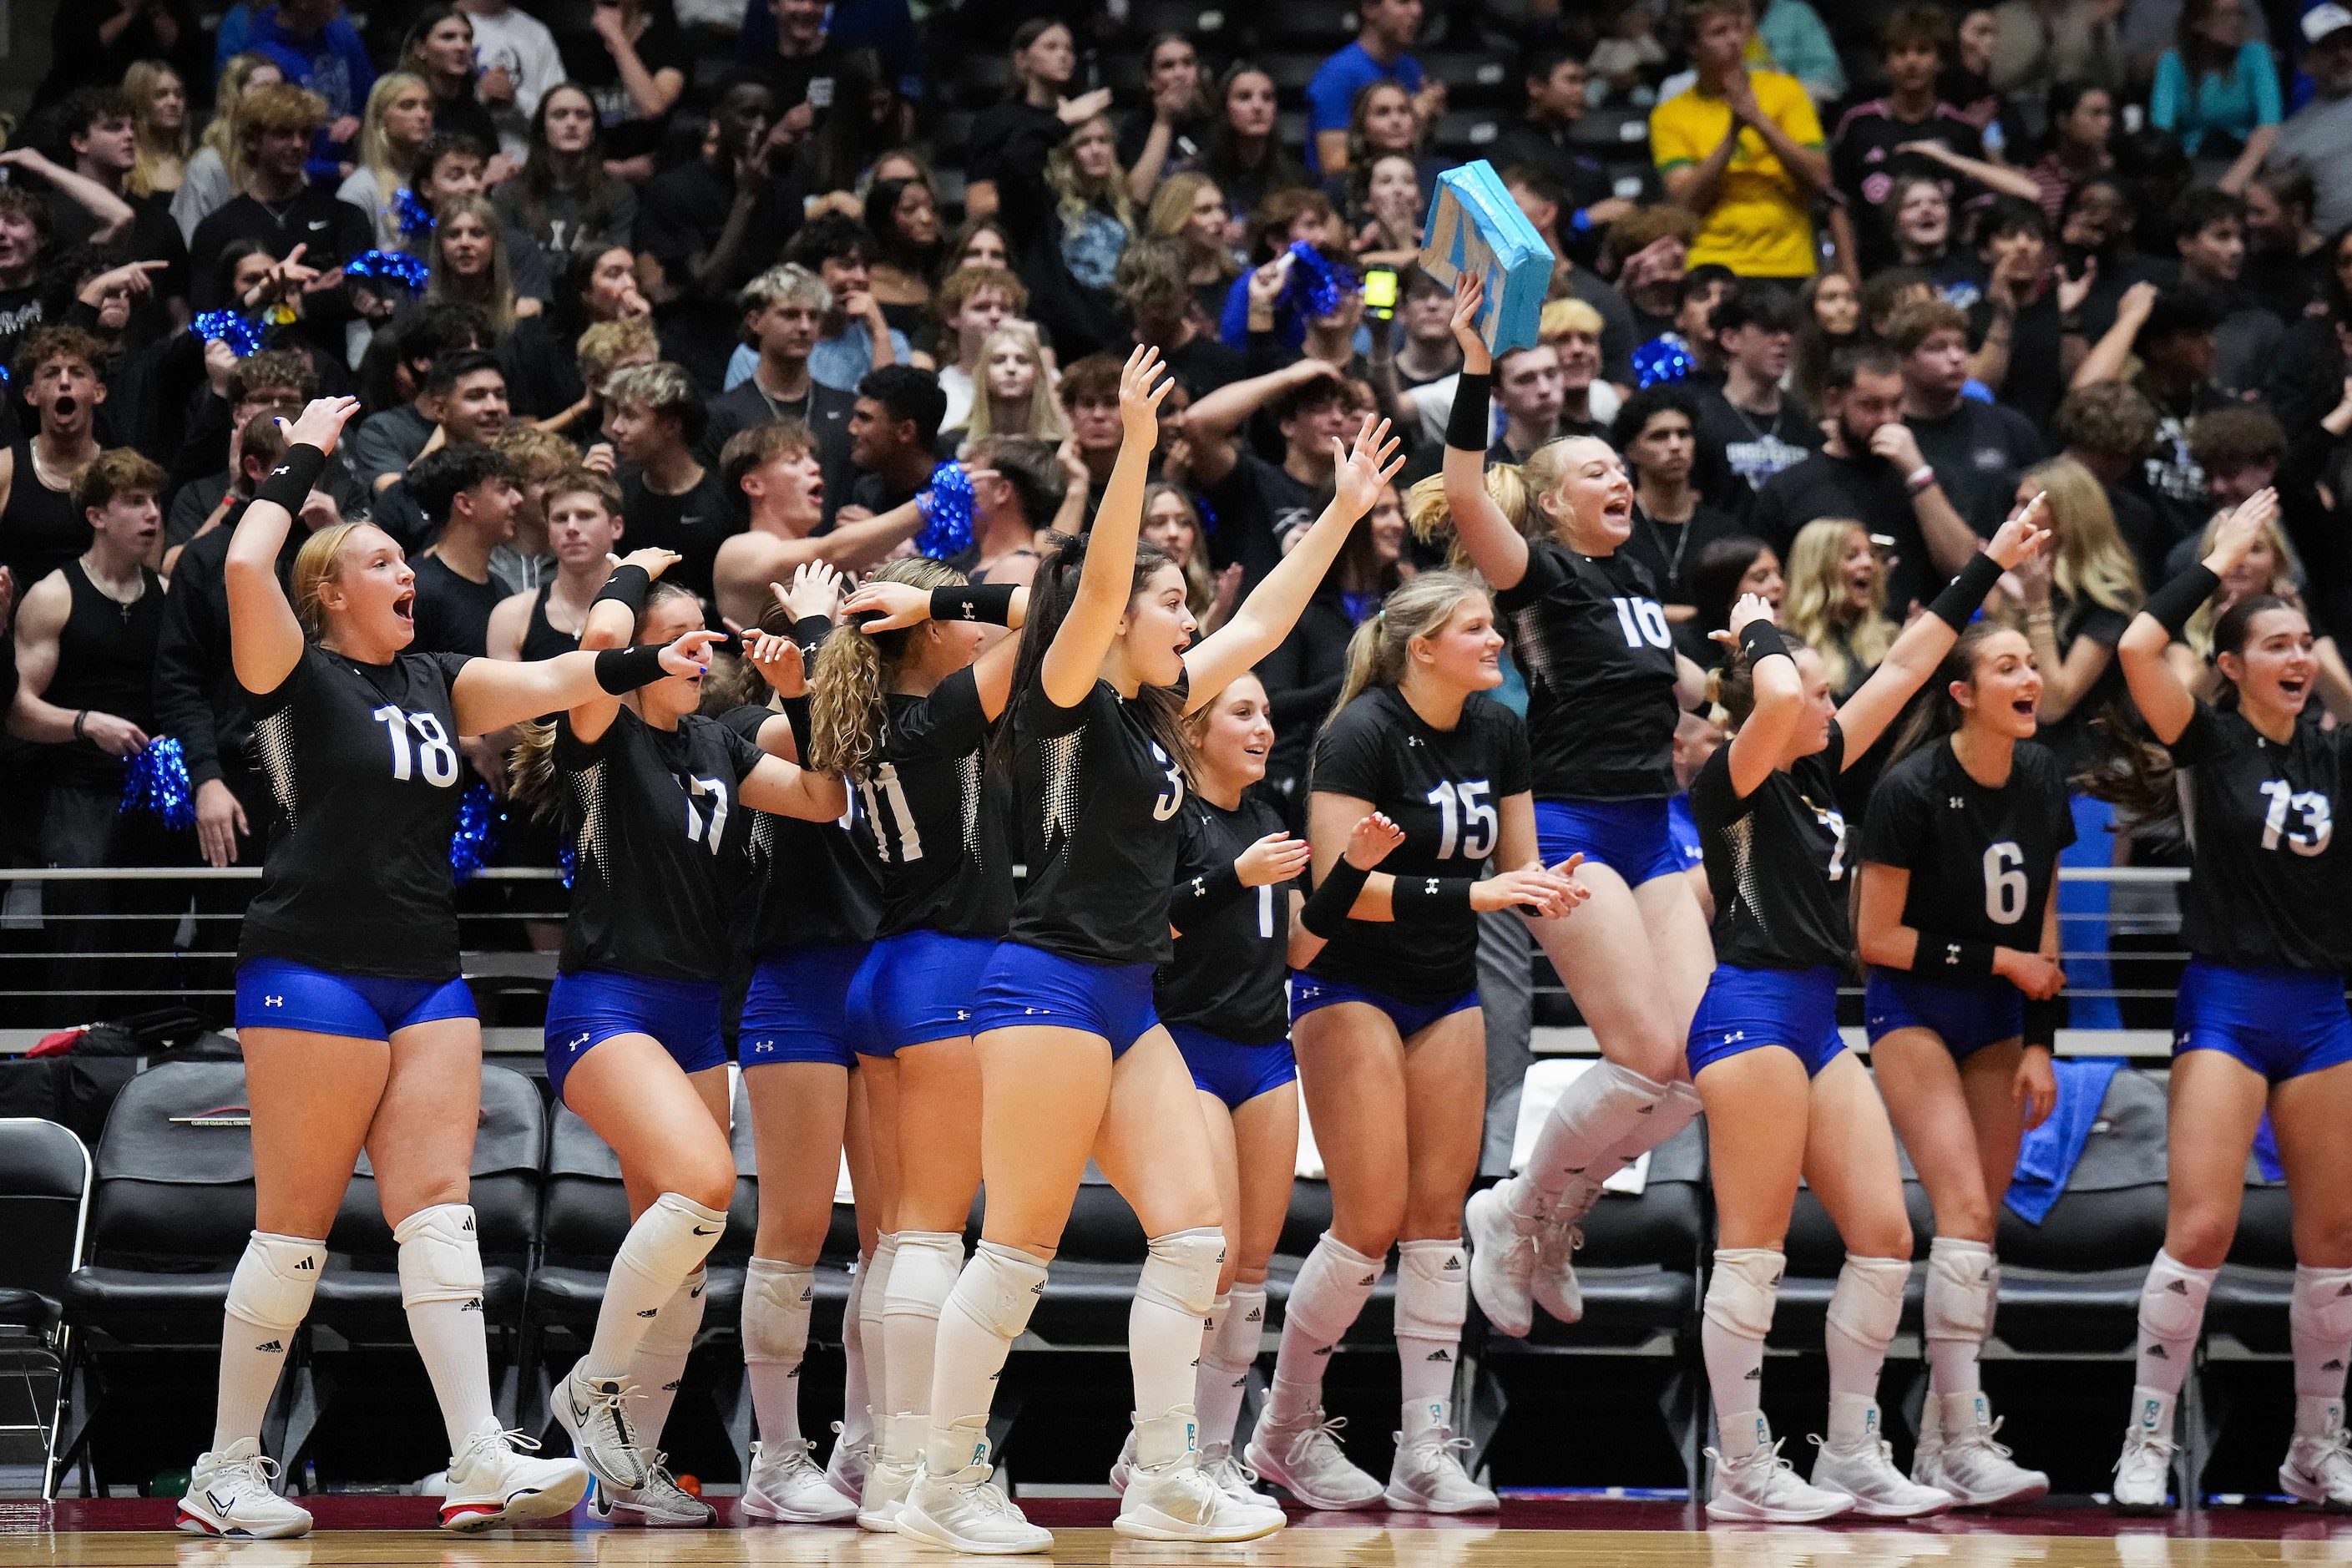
point(45, 1182)
point(1202, 21)
point(1326, 25)
point(1465, 133)
point(1479, 80)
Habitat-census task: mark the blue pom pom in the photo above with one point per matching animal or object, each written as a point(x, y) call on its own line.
point(946, 513)
point(244, 338)
point(413, 218)
point(156, 781)
point(476, 834)
point(1317, 285)
point(1663, 359)
point(389, 267)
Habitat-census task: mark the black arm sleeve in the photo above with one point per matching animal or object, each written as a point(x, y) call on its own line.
point(1327, 908)
point(1202, 896)
point(2173, 604)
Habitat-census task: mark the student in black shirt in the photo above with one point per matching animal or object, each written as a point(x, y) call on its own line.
point(2261, 1016)
point(634, 108)
point(468, 495)
point(1782, 1094)
point(1152, 282)
point(1960, 855)
point(348, 972)
point(1749, 429)
point(440, 49)
point(1390, 1040)
point(783, 311)
point(1672, 526)
point(656, 417)
point(1978, 449)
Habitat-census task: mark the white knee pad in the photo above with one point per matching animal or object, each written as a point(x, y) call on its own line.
point(672, 1331)
point(1331, 1289)
point(2172, 1301)
point(439, 1257)
point(1962, 1281)
point(2322, 1306)
point(777, 1300)
point(878, 1270)
point(671, 1239)
point(922, 1273)
point(1868, 1301)
point(1433, 1293)
point(1744, 1288)
point(1182, 1272)
point(275, 1280)
point(998, 1289)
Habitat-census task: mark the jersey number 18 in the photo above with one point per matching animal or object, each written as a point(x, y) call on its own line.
point(436, 757)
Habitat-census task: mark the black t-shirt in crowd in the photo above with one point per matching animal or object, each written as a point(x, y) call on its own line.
point(589, 64)
point(365, 779)
point(1203, 364)
point(1254, 507)
point(1978, 450)
point(793, 79)
point(2072, 738)
point(1776, 861)
point(1098, 796)
point(693, 523)
point(1982, 860)
point(2266, 884)
point(1232, 943)
point(1864, 162)
point(661, 831)
point(812, 885)
point(1445, 789)
point(826, 410)
point(1671, 549)
point(1745, 449)
point(330, 231)
point(1868, 489)
point(1591, 639)
point(681, 217)
point(451, 610)
point(937, 814)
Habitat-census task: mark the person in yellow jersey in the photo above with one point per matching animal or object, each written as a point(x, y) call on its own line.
point(1743, 149)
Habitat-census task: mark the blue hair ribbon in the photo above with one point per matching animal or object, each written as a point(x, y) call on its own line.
point(946, 513)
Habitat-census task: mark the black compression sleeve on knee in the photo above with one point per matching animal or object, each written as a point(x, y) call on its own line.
point(1327, 908)
point(290, 482)
point(1958, 603)
point(620, 670)
point(2173, 604)
point(1469, 425)
point(1431, 901)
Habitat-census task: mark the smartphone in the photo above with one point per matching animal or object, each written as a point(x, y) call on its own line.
point(1380, 292)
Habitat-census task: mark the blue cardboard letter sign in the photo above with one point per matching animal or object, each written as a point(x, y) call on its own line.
point(1475, 226)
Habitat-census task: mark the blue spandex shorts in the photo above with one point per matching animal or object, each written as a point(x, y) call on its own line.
point(798, 1007)
point(1747, 1009)
point(278, 994)
point(1234, 1073)
point(915, 987)
point(1309, 992)
point(2282, 1023)
point(1631, 838)
point(588, 1008)
point(1966, 1018)
point(1029, 986)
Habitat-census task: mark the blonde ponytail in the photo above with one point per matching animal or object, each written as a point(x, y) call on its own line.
point(846, 712)
point(1379, 652)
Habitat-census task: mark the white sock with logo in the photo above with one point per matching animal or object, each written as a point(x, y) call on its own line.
point(659, 1366)
point(1229, 1349)
point(778, 1296)
point(669, 1242)
point(1433, 1302)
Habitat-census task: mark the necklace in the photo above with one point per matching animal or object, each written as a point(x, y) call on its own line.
point(48, 478)
point(1682, 540)
point(124, 606)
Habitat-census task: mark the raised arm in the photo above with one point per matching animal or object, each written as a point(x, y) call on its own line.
point(2163, 699)
point(1998, 177)
point(490, 694)
point(2112, 353)
point(1073, 661)
point(1779, 696)
point(264, 636)
point(902, 604)
point(1265, 618)
point(1210, 424)
point(1494, 547)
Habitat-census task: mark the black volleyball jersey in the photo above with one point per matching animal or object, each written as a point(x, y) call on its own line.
point(811, 884)
point(1776, 861)
point(1445, 789)
point(1591, 639)
point(2267, 883)
point(365, 779)
point(1231, 955)
point(935, 814)
point(1981, 860)
point(1098, 796)
point(660, 858)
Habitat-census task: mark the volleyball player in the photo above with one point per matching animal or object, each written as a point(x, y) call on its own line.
point(1073, 1058)
point(1392, 1044)
point(655, 795)
point(2261, 1021)
point(356, 1028)
point(1784, 1098)
point(1959, 851)
point(1605, 689)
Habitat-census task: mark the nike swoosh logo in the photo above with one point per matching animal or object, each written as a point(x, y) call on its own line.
point(699, 1231)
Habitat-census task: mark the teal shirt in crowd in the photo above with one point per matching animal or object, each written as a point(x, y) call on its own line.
point(2236, 103)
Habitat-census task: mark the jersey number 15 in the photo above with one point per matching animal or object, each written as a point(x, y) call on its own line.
point(1464, 812)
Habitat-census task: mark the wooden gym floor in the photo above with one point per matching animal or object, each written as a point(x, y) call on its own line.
point(394, 1533)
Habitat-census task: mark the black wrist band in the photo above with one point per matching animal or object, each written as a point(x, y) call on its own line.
point(1761, 639)
point(1327, 908)
point(2044, 1020)
point(1206, 894)
point(2178, 600)
point(1958, 603)
point(1951, 958)
point(624, 670)
point(809, 631)
point(290, 482)
point(628, 587)
point(1431, 901)
point(1469, 425)
point(796, 714)
point(990, 603)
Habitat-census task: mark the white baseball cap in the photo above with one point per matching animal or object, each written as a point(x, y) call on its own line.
point(2323, 22)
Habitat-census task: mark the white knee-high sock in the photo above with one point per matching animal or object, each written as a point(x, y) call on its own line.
point(922, 1273)
point(1229, 1347)
point(669, 1242)
point(1332, 1286)
point(778, 1298)
point(2319, 1319)
point(1741, 1295)
point(856, 1425)
point(268, 1297)
point(441, 1287)
point(1433, 1302)
point(2171, 1316)
point(985, 1313)
point(1865, 1309)
point(1962, 1280)
point(873, 1333)
point(1164, 1324)
point(659, 1366)
point(1606, 1106)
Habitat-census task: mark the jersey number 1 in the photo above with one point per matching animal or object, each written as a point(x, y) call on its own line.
point(436, 757)
point(911, 843)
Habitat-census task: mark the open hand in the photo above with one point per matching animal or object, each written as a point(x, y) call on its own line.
point(1371, 840)
point(1751, 608)
point(321, 423)
point(816, 591)
point(1361, 472)
point(1277, 858)
point(2245, 522)
point(653, 558)
point(1140, 398)
point(779, 660)
point(2034, 1088)
point(1469, 295)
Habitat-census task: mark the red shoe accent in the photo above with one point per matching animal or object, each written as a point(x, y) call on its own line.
point(208, 1526)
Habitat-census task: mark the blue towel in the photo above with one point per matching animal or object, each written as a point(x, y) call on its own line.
point(2047, 1157)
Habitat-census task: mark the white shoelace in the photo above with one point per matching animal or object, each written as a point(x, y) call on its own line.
point(255, 1474)
point(1327, 1430)
point(1444, 1450)
point(1778, 1473)
point(512, 1440)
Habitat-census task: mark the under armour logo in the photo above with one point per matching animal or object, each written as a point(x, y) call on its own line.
point(1199, 887)
point(1429, 888)
point(1952, 953)
point(273, 1001)
point(1413, 739)
point(1734, 1037)
point(1957, 804)
point(763, 1047)
point(577, 1044)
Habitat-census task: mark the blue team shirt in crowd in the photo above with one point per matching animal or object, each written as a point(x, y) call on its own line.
point(1331, 95)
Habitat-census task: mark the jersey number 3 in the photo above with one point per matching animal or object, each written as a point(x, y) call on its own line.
point(436, 757)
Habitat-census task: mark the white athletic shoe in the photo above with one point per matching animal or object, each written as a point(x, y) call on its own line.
point(968, 1512)
point(2144, 1473)
point(1964, 1460)
point(844, 1472)
point(787, 1485)
point(1307, 1462)
point(1866, 1474)
point(2319, 1468)
point(1428, 1477)
point(1236, 1479)
point(497, 1480)
point(229, 1494)
point(1764, 1489)
point(1556, 1240)
point(660, 1504)
point(1502, 1248)
point(886, 1486)
point(1179, 1502)
point(1122, 1470)
point(593, 1412)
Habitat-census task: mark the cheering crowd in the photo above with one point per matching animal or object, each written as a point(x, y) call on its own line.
point(673, 447)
